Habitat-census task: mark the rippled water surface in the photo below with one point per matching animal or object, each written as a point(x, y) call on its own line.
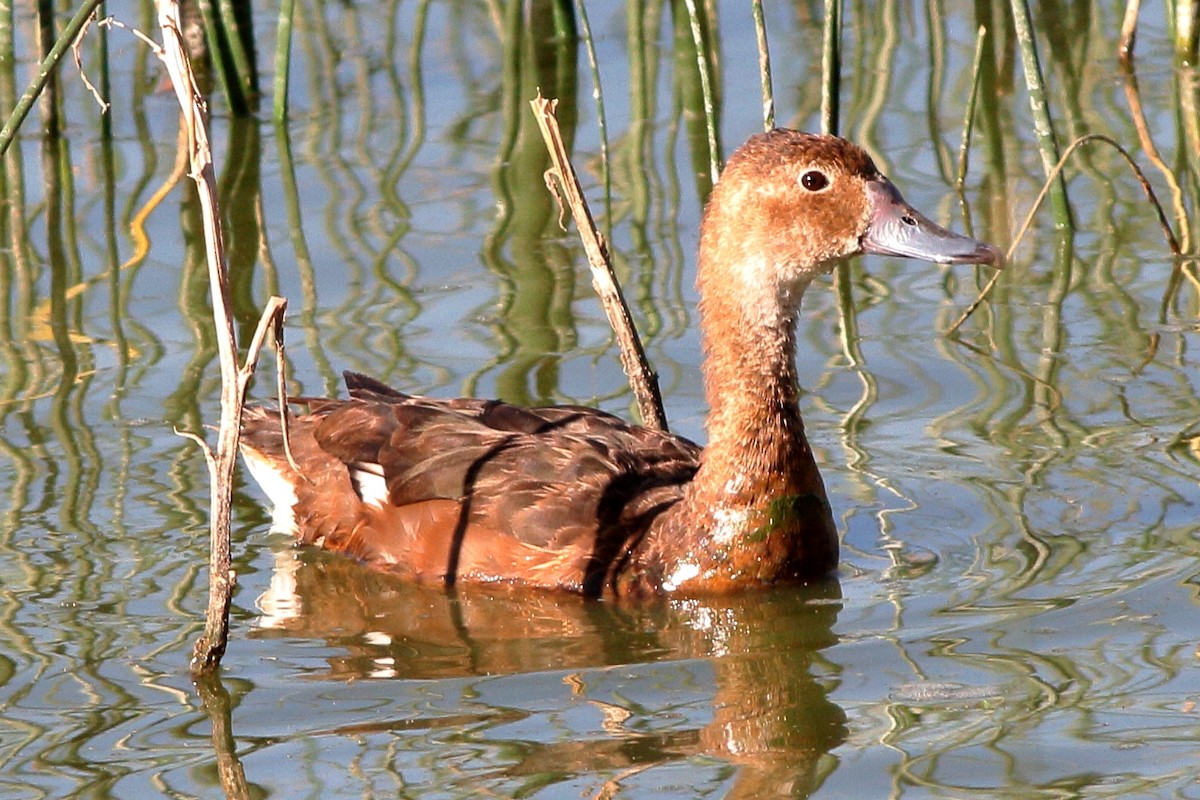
point(1016, 612)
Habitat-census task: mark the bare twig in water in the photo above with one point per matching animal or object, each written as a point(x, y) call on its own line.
point(604, 280)
point(1172, 242)
point(211, 645)
point(1128, 32)
point(219, 708)
point(75, 54)
point(1147, 141)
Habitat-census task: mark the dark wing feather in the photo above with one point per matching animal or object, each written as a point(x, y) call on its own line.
point(552, 495)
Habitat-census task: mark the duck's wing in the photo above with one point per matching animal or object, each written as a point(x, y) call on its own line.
point(469, 489)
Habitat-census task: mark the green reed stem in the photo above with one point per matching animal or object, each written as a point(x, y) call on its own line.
point(45, 70)
point(1043, 126)
point(105, 67)
point(1187, 29)
point(1056, 170)
point(302, 255)
point(706, 90)
point(764, 66)
point(969, 120)
point(831, 67)
point(212, 20)
point(243, 62)
point(50, 110)
point(7, 50)
point(8, 97)
point(283, 59)
point(601, 120)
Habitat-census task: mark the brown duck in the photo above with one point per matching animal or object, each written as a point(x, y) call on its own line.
point(572, 498)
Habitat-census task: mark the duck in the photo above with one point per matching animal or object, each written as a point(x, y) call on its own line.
point(572, 498)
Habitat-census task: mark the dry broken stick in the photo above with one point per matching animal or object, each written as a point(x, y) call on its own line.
point(604, 279)
point(234, 379)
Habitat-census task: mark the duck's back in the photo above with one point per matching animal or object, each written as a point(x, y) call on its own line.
point(469, 489)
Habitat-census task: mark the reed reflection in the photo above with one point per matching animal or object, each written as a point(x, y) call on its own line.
point(771, 716)
point(535, 322)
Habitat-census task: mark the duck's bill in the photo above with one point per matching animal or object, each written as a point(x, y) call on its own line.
point(898, 229)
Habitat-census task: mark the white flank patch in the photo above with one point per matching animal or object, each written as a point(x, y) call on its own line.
point(368, 480)
point(279, 490)
point(377, 638)
point(682, 574)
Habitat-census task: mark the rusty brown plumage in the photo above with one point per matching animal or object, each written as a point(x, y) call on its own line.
point(476, 490)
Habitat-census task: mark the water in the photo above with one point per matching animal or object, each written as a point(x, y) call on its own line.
point(1015, 613)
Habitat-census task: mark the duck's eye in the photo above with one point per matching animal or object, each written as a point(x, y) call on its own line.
point(814, 180)
point(909, 220)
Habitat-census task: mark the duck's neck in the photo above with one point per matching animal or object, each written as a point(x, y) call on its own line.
point(756, 511)
point(756, 445)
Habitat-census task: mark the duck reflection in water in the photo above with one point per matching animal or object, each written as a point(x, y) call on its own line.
point(770, 714)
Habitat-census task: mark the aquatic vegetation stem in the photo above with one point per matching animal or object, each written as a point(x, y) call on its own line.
point(969, 117)
point(601, 119)
point(74, 28)
point(1134, 98)
point(1043, 126)
point(211, 24)
point(706, 90)
point(1164, 223)
point(283, 59)
point(239, 44)
point(831, 67)
point(1187, 29)
point(764, 66)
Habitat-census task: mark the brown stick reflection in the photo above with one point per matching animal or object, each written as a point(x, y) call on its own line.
point(218, 707)
point(771, 716)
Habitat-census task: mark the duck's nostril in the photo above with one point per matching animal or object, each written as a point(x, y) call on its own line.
point(898, 229)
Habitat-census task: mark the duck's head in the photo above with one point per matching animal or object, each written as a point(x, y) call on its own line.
point(789, 204)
